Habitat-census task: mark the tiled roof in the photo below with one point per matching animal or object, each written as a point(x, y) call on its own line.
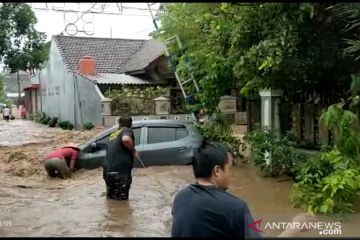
point(150, 51)
point(110, 55)
point(115, 78)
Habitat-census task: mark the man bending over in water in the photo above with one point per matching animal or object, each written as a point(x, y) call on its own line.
point(62, 161)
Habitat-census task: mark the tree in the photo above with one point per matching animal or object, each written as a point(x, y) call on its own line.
point(292, 46)
point(349, 13)
point(21, 46)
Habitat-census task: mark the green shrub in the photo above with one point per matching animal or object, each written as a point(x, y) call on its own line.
point(45, 120)
point(53, 122)
point(71, 126)
point(37, 117)
point(42, 117)
point(327, 184)
point(88, 126)
point(63, 124)
point(273, 154)
point(220, 131)
point(66, 125)
point(330, 183)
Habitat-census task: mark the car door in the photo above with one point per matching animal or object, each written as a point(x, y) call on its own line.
point(167, 145)
point(93, 155)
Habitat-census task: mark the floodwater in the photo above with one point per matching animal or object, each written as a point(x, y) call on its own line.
point(27, 132)
point(77, 207)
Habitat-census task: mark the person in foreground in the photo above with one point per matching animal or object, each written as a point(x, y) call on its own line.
point(61, 163)
point(119, 161)
point(205, 209)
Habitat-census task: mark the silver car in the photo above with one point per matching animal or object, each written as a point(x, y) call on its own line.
point(159, 142)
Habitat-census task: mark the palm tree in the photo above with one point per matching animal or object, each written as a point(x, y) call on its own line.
point(350, 13)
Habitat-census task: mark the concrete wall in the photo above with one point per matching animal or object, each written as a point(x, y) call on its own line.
point(39, 101)
point(33, 102)
point(88, 104)
point(67, 95)
point(109, 121)
point(57, 88)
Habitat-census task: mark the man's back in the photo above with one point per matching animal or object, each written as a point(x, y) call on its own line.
point(118, 157)
point(206, 211)
point(6, 111)
point(62, 153)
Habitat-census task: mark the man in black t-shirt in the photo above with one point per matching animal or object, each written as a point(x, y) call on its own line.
point(119, 161)
point(205, 209)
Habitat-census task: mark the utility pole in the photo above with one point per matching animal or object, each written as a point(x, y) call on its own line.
point(19, 88)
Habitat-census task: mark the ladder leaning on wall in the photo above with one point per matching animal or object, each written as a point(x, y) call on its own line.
point(175, 39)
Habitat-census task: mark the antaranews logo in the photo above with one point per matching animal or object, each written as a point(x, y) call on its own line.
point(256, 225)
point(324, 228)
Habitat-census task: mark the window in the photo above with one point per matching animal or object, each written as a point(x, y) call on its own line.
point(102, 143)
point(166, 134)
point(137, 132)
point(181, 133)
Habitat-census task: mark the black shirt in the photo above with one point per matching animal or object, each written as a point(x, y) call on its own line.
point(206, 211)
point(118, 157)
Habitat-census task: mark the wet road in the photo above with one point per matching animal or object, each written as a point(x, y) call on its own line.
point(19, 132)
point(40, 206)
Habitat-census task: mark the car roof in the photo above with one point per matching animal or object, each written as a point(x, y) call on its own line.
point(158, 122)
point(138, 123)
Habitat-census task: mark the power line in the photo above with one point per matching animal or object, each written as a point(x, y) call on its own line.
point(120, 8)
point(141, 31)
point(98, 10)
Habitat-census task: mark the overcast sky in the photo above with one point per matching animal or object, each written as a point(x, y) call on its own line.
point(130, 23)
point(128, 20)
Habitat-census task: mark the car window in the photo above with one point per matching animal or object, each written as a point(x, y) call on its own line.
point(137, 132)
point(181, 133)
point(166, 134)
point(102, 143)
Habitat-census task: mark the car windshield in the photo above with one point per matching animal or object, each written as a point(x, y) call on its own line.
point(98, 136)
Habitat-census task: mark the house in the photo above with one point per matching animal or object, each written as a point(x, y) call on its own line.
point(72, 83)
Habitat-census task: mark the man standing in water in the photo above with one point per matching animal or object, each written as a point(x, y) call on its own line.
point(6, 113)
point(119, 161)
point(205, 209)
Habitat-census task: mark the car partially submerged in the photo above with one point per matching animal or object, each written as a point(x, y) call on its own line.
point(159, 142)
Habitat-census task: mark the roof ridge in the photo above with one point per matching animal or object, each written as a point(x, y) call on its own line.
point(103, 38)
point(132, 56)
point(57, 44)
point(145, 45)
point(109, 54)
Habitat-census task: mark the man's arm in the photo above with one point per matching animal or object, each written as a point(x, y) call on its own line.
point(128, 142)
point(73, 158)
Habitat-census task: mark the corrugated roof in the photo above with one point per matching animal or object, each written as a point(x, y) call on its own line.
point(115, 78)
point(110, 55)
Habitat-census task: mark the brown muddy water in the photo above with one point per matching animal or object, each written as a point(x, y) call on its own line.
point(78, 207)
point(31, 204)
